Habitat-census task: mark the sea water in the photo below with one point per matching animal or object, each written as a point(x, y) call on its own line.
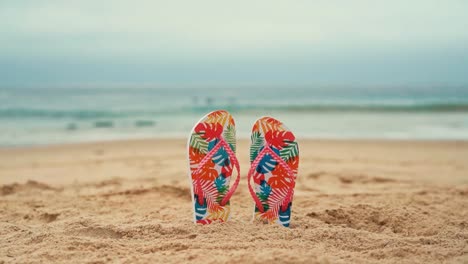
point(37, 116)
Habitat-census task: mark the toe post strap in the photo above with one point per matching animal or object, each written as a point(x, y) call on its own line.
point(232, 156)
point(288, 195)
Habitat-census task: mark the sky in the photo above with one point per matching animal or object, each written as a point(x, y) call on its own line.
point(211, 42)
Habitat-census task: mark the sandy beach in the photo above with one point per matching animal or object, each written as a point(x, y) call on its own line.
point(129, 202)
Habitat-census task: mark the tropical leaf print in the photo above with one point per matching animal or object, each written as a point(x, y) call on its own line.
point(294, 164)
point(197, 142)
point(226, 170)
point(198, 192)
point(257, 143)
point(276, 199)
point(255, 127)
point(263, 194)
point(222, 188)
point(211, 182)
point(280, 178)
point(273, 182)
point(230, 136)
point(267, 163)
point(210, 193)
point(204, 221)
point(221, 157)
point(270, 215)
point(219, 213)
point(231, 121)
point(265, 191)
point(209, 131)
point(195, 158)
point(200, 208)
point(220, 184)
point(212, 144)
point(279, 139)
point(270, 124)
point(258, 177)
point(207, 172)
point(284, 217)
point(290, 151)
point(219, 117)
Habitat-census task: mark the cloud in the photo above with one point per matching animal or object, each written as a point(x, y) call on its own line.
point(242, 25)
point(178, 34)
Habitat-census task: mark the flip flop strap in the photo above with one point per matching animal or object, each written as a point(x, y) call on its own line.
point(235, 162)
point(288, 196)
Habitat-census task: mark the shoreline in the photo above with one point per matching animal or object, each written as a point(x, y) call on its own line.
point(181, 138)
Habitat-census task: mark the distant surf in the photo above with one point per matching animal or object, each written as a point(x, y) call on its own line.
point(44, 116)
point(326, 107)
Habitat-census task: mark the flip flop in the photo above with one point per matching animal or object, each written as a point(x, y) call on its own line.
point(274, 157)
point(211, 152)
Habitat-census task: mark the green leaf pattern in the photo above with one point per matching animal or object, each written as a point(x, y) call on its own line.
point(289, 151)
point(257, 143)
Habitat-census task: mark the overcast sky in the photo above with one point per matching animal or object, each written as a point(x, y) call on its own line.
point(417, 42)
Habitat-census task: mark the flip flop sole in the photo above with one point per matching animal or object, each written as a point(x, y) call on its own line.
point(210, 185)
point(271, 180)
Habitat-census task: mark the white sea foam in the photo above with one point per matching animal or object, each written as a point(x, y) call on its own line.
point(45, 116)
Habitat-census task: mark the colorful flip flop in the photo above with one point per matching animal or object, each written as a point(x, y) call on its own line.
point(211, 153)
point(274, 157)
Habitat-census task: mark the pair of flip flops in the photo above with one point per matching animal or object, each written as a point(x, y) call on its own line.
point(274, 157)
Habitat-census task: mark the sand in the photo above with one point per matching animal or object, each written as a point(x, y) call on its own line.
point(129, 202)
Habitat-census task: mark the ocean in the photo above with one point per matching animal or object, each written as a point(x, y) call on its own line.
point(33, 116)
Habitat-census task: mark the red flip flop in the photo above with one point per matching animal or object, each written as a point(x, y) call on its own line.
point(274, 157)
point(212, 158)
